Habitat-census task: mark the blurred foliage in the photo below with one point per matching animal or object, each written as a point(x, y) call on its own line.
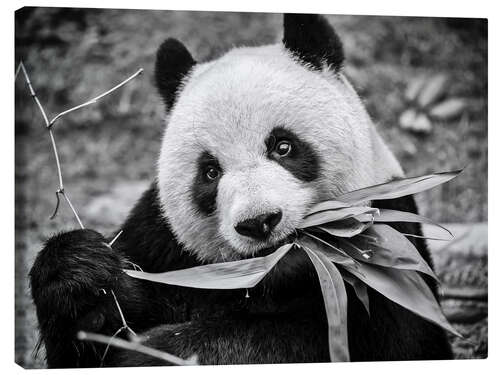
point(75, 54)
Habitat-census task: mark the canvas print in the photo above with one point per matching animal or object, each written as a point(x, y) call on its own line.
point(218, 188)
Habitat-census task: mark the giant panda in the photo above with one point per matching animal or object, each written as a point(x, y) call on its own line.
point(252, 140)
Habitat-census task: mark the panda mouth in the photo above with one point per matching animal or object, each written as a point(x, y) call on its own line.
point(271, 249)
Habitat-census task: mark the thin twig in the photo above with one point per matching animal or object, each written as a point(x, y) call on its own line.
point(54, 148)
point(33, 94)
point(124, 322)
point(18, 70)
point(48, 126)
point(122, 316)
point(58, 163)
point(94, 100)
point(65, 195)
point(109, 344)
point(114, 239)
point(57, 206)
point(135, 266)
point(138, 347)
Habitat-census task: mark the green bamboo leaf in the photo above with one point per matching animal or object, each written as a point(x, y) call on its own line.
point(390, 216)
point(388, 248)
point(397, 188)
point(335, 298)
point(230, 275)
point(406, 288)
point(335, 215)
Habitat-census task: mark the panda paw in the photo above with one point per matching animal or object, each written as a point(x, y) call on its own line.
point(70, 276)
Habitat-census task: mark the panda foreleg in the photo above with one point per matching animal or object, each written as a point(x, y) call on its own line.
point(245, 339)
point(73, 280)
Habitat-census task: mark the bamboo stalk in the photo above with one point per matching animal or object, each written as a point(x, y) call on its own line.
point(138, 347)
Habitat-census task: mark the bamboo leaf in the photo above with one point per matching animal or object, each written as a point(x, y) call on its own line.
point(424, 237)
point(388, 260)
point(406, 288)
point(335, 297)
point(389, 216)
point(327, 206)
point(397, 188)
point(359, 287)
point(230, 275)
point(388, 248)
point(345, 228)
point(335, 215)
point(330, 251)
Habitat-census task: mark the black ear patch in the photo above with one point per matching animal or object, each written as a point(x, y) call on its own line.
point(173, 63)
point(312, 39)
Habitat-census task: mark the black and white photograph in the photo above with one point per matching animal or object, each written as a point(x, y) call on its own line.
point(220, 188)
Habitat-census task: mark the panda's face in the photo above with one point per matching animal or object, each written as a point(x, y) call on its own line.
point(254, 139)
point(243, 153)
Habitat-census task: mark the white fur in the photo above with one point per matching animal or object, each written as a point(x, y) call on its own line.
point(260, 186)
point(228, 107)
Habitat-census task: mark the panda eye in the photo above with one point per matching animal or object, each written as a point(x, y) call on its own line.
point(283, 148)
point(212, 173)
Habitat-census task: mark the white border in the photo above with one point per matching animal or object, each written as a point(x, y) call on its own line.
point(482, 9)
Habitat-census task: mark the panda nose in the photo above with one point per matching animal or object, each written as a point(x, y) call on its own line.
point(259, 227)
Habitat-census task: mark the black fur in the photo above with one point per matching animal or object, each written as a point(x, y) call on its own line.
point(204, 190)
point(313, 40)
point(71, 281)
point(282, 321)
point(302, 162)
point(173, 63)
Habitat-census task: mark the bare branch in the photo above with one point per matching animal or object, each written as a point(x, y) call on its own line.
point(114, 239)
point(56, 155)
point(33, 94)
point(54, 148)
point(136, 267)
point(65, 195)
point(48, 125)
point(124, 322)
point(138, 347)
point(56, 209)
point(114, 341)
point(94, 100)
point(18, 70)
point(109, 344)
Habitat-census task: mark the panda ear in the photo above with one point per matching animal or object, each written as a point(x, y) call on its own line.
point(313, 40)
point(173, 63)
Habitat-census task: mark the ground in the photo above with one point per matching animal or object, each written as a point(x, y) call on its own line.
point(108, 150)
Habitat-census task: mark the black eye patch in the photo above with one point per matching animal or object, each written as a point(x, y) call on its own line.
point(204, 190)
point(302, 161)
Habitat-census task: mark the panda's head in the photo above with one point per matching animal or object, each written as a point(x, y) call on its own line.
point(257, 136)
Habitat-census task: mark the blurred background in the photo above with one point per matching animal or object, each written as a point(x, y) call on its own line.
point(423, 80)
